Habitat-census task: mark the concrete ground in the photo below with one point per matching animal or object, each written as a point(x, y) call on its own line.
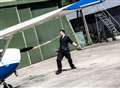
point(98, 66)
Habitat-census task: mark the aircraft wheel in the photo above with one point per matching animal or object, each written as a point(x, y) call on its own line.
point(7, 86)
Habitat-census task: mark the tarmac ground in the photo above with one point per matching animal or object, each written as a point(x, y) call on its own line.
point(98, 66)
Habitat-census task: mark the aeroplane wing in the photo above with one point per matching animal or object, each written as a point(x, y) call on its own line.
point(45, 17)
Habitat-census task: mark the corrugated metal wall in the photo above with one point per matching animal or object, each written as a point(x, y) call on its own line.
point(36, 35)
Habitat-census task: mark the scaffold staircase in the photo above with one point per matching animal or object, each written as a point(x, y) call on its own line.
point(107, 22)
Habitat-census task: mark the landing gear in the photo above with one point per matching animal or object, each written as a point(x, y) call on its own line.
point(5, 85)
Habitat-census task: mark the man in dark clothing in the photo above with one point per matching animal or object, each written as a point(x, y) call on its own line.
point(64, 51)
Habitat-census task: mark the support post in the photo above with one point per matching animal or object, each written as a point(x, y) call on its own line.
point(86, 28)
point(97, 27)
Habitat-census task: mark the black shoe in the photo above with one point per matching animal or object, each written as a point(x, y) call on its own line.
point(73, 67)
point(58, 72)
point(114, 39)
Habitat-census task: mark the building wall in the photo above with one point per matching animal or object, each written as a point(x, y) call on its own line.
point(36, 35)
point(92, 26)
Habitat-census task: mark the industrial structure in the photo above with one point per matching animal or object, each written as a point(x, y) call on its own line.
point(14, 12)
point(92, 18)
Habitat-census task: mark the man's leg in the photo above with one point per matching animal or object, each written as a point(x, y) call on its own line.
point(59, 64)
point(68, 56)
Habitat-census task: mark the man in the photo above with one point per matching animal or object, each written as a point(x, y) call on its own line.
point(64, 51)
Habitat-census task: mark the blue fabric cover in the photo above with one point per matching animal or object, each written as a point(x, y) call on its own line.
point(5, 71)
point(82, 4)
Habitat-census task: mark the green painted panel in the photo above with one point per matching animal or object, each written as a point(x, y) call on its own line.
point(7, 20)
point(2, 44)
point(24, 60)
point(81, 39)
point(8, 17)
point(49, 50)
point(35, 56)
point(47, 31)
point(19, 2)
point(18, 42)
point(30, 35)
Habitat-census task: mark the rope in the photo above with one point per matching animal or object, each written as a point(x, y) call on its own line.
point(46, 42)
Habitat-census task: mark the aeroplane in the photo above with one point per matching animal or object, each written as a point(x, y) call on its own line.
point(11, 57)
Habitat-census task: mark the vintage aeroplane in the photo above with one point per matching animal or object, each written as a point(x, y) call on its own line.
point(11, 57)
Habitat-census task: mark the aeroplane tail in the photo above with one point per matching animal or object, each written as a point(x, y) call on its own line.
point(9, 62)
point(11, 56)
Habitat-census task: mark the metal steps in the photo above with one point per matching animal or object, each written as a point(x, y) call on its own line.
point(107, 22)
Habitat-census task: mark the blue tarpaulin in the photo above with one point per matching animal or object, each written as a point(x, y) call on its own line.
point(82, 4)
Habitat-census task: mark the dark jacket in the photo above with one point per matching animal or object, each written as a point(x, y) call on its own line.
point(64, 43)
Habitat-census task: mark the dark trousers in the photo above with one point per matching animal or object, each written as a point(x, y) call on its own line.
point(60, 56)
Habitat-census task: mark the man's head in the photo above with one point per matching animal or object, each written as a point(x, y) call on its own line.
point(62, 32)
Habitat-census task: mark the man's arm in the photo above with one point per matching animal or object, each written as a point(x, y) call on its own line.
point(73, 43)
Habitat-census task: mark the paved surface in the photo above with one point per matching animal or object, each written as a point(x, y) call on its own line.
point(98, 66)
